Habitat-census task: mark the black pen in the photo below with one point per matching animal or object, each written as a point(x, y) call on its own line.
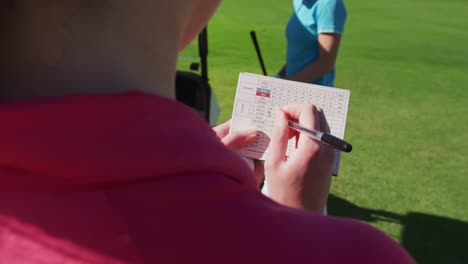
point(325, 138)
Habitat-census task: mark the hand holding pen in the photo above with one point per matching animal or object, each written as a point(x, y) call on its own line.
point(302, 179)
point(325, 138)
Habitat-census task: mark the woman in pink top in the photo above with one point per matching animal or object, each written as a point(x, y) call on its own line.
point(99, 164)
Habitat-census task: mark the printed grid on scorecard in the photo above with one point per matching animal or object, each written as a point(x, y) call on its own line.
point(258, 96)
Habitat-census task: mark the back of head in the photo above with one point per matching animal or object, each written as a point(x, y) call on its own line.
point(132, 43)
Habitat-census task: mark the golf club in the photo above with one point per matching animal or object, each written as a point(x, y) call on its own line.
point(253, 35)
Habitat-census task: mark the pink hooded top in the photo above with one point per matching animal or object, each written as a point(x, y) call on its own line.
point(135, 178)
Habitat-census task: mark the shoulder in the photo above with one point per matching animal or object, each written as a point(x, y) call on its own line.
point(331, 16)
point(337, 240)
point(330, 4)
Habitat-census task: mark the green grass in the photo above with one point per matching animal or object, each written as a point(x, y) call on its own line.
point(406, 64)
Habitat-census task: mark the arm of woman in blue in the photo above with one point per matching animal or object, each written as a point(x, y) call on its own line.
point(313, 34)
point(328, 45)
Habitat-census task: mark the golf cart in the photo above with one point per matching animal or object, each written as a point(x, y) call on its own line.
point(193, 89)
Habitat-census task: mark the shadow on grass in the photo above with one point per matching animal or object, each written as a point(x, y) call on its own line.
point(428, 238)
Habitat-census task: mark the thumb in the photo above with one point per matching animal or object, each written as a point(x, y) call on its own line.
point(240, 139)
point(279, 138)
point(222, 130)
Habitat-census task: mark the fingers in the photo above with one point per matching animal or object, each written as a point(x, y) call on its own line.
point(323, 121)
point(222, 130)
point(240, 139)
point(279, 138)
point(308, 116)
point(304, 114)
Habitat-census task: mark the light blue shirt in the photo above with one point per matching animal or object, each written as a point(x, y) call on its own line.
point(310, 18)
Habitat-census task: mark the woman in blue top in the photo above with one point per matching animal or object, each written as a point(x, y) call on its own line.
point(313, 36)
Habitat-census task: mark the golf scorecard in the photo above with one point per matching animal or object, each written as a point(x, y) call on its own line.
point(258, 96)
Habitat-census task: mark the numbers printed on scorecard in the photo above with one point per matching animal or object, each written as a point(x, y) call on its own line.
point(258, 96)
